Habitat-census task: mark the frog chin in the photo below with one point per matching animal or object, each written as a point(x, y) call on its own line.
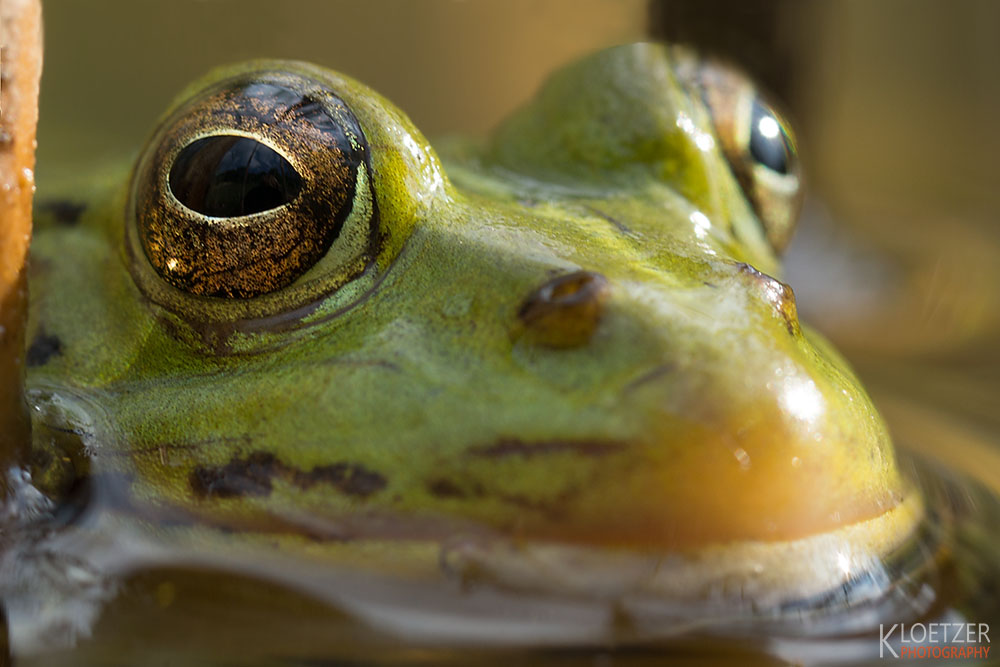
point(857, 561)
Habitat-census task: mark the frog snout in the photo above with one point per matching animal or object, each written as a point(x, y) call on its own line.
point(564, 311)
point(729, 420)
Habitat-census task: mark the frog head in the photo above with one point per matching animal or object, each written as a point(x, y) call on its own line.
point(294, 317)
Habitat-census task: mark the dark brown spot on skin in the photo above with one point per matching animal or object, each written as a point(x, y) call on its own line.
point(253, 476)
point(350, 478)
point(565, 311)
point(238, 478)
point(63, 212)
point(43, 348)
point(514, 447)
point(445, 488)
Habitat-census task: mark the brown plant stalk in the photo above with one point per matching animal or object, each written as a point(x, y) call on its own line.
point(20, 70)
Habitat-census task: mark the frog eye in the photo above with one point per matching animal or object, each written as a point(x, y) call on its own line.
point(252, 184)
point(769, 145)
point(759, 147)
point(228, 177)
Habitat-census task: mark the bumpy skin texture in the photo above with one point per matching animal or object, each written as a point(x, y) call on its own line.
point(673, 403)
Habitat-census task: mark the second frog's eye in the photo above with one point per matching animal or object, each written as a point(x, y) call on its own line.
point(759, 146)
point(251, 185)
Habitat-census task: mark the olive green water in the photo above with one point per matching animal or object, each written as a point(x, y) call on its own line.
point(915, 308)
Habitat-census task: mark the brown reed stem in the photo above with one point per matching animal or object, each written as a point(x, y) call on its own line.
point(20, 71)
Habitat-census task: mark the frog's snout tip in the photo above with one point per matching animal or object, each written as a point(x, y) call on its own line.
point(564, 312)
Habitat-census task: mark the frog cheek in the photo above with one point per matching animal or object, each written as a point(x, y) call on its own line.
point(740, 426)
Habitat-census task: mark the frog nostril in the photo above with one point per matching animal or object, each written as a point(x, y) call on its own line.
point(776, 293)
point(565, 311)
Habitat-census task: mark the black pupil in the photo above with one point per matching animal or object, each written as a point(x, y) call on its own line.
point(228, 176)
point(768, 142)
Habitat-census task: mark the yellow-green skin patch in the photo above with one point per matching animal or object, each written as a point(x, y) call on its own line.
point(697, 410)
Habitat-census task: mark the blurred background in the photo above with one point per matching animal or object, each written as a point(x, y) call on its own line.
point(895, 104)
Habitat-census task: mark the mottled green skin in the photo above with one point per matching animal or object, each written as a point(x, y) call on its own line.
point(679, 422)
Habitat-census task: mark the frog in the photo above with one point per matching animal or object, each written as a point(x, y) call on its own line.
point(294, 326)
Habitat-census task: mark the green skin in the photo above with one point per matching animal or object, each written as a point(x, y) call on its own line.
point(693, 409)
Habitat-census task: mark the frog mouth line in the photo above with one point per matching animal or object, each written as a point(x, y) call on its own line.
point(465, 493)
point(766, 572)
point(859, 564)
point(486, 487)
point(254, 477)
point(770, 574)
point(738, 581)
